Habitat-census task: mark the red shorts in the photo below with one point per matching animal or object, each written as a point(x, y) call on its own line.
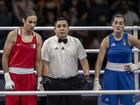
point(23, 82)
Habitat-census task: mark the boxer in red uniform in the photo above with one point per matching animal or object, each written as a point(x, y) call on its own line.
point(22, 52)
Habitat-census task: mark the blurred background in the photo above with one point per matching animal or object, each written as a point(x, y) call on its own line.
point(78, 12)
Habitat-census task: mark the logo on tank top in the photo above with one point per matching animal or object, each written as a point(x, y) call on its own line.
point(32, 45)
point(18, 44)
point(113, 44)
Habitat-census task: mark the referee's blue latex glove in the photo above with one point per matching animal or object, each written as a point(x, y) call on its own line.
point(86, 83)
point(87, 79)
point(45, 80)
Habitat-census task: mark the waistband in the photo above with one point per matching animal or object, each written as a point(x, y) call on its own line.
point(18, 70)
point(116, 66)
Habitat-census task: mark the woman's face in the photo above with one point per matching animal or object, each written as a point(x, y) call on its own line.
point(118, 25)
point(61, 28)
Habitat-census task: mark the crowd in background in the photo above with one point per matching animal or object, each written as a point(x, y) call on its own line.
point(79, 13)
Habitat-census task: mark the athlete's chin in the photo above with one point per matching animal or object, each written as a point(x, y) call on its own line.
point(30, 30)
point(117, 31)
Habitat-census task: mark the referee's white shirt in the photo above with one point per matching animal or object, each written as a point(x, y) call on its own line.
point(62, 58)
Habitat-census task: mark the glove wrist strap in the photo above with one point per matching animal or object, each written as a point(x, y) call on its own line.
point(96, 79)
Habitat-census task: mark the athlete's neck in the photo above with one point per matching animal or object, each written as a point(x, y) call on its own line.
point(118, 35)
point(26, 32)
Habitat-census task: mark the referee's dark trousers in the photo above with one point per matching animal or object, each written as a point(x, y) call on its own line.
point(72, 83)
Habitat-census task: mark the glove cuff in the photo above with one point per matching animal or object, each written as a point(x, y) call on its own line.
point(96, 79)
point(44, 79)
point(39, 78)
point(134, 67)
point(137, 65)
point(7, 76)
point(86, 76)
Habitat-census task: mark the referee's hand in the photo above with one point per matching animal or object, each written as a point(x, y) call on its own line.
point(87, 79)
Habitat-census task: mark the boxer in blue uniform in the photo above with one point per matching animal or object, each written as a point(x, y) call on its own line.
point(118, 47)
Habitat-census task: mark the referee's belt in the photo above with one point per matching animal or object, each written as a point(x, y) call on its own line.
point(64, 79)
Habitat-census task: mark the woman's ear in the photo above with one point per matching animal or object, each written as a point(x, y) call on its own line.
point(23, 20)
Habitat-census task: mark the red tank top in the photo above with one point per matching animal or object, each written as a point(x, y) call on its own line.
point(23, 54)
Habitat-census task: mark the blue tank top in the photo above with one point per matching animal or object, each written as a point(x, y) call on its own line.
point(119, 51)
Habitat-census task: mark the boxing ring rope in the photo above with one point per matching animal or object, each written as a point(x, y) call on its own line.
point(76, 28)
point(91, 50)
point(89, 92)
point(82, 28)
point(91, 72)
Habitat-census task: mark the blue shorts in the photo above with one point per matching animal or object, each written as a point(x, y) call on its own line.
point(118, 80)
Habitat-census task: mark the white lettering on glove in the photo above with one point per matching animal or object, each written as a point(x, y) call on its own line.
point(39, 85)
point(9, 84)
point(97, 85)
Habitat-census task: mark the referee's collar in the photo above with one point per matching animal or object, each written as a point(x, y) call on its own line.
point(60, 38)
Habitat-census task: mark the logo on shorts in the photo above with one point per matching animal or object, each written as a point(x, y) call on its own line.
point(106, 100)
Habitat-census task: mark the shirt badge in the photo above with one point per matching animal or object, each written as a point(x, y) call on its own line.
point(32, 45)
